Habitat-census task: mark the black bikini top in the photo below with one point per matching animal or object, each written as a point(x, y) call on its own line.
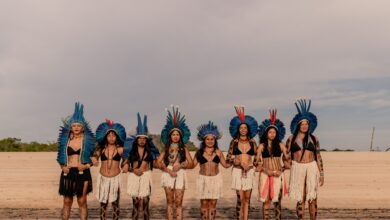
point(296, 146)
point(275, 152)
point(237, 151)
point(117, 157)
point(202, 160)
point(71, 151)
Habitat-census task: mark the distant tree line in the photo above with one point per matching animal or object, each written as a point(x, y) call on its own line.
point(12, 144)
point(337, 149)
point(16, 145)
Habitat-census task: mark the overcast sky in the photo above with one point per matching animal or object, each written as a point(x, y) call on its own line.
point(123, 57)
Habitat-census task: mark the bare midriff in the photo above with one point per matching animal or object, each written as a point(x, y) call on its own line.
point(246, 160)
point(209, 169)
point(75, 144)
point(111, 171)
point(308, 156)
point(272, 163)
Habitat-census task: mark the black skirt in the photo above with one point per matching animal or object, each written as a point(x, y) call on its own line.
point(73, 183)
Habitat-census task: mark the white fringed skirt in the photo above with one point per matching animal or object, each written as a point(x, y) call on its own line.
point(209, 187)
point(178, 182)
point(139, 186)
point(299, 172)
point(240, 181)
point(108, 188)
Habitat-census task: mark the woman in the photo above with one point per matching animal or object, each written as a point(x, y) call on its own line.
point(241, 152)
point(140, 156)
point(271, 149)
point(174, 160)
point(75, 148)
point(110, 137)
point(307, 170)
point(209, 182)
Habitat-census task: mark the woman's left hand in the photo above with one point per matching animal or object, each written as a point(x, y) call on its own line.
point(95, 162)
point(245, 166)
point(277, 173)
point(125, 168)
point(321, 180)
point(82, 167)
point(176, 167)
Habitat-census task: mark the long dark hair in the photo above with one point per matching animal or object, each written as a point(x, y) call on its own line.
point(275, 143)
point(203, 146)
point(99, 147)
point(134, 155)
point(247, 135)
point(182, 152)
point(305, 141)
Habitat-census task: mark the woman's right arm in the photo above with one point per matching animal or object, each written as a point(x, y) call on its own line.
point(287, 160)
point(160, 162)
point(258, 161)
point(224, 163)
point(194, 161)
point(229, 156)
point(95, 156)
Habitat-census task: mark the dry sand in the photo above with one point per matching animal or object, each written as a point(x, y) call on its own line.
point(356, 186)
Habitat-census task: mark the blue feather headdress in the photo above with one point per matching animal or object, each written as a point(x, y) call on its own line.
point(274, 122)
point(78, 114)
point(175, 121)
point(303, 108)
point(208, 129)
point(107, 126)
point(241, 118)
point(141, 131)
point(64, 136)
point(142, 128)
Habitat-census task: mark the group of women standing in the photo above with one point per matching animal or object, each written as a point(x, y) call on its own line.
point(137, 155)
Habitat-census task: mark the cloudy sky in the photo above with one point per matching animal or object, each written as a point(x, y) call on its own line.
point(120, 58)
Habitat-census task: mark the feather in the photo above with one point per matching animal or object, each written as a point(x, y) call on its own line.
point(241, 118)
point(175, 119)
point(303, 107)
point(63, 138)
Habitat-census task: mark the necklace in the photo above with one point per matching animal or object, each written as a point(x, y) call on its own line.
point(174, 145)
point(243, 141)
point(173, 152)
point(110, 158)
point(209, 154)
point(78, 136)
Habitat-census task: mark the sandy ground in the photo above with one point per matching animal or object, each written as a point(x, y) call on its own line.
point(356, 186)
